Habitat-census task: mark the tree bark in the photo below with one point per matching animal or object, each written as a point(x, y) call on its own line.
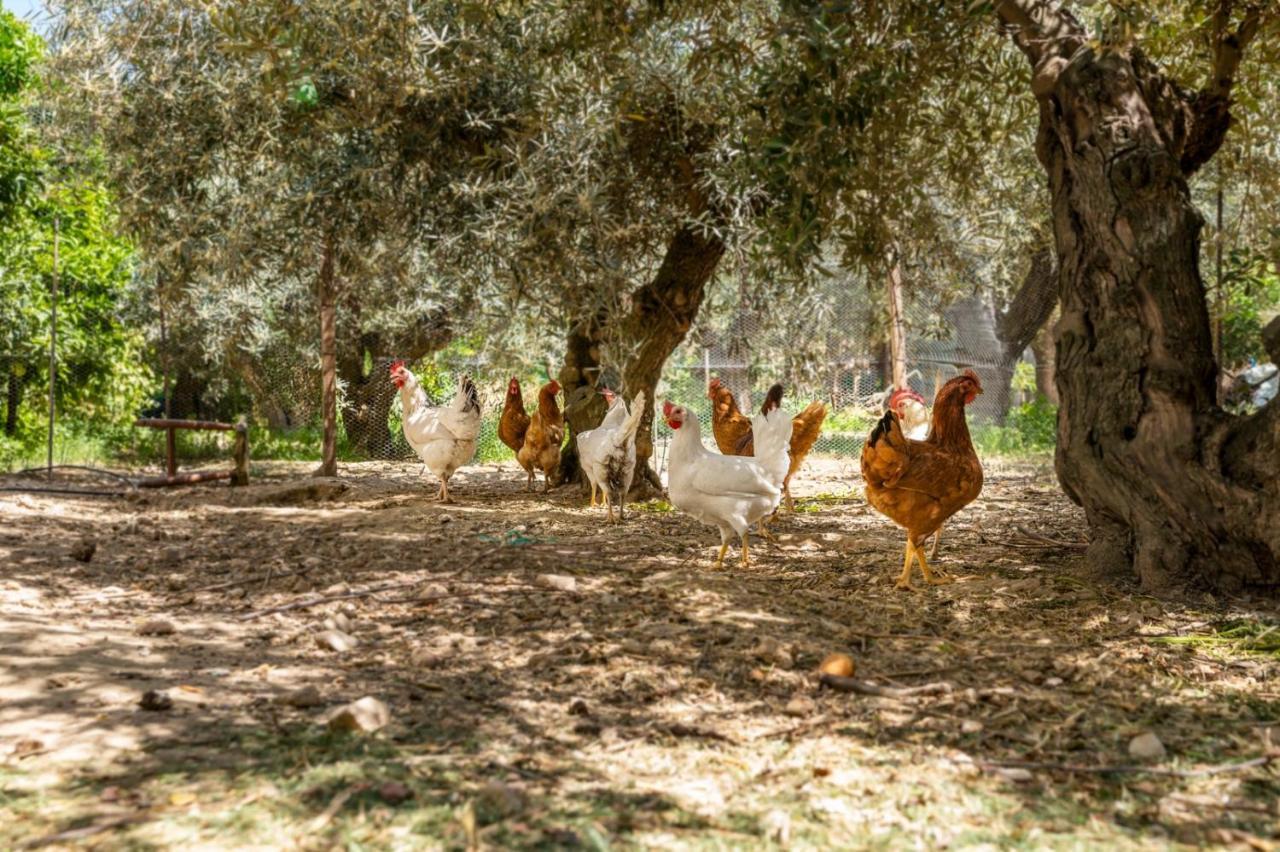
point(1042, 348)
point(328, 364)
point(1174, 489)
point(580, 377)
point(366, 402)
point(662, 312)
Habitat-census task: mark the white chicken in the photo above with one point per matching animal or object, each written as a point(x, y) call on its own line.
point(608, 452)
point(728, 492)
point(913, 413)
point(444, 438)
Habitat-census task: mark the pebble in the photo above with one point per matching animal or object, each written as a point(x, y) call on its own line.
point(365, 716)
point(336, 640)
point(307, 696)
point(83, 550)
point(1146, 746)
point(155, 701)
point(578, 707)
point(157, 627)
point(799, 705)
point(559, 582)
point(393, 792)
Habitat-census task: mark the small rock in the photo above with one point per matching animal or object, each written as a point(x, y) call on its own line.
point(496, 801)
point(175, 582)
point(83, 550)
point(1052, 682)
point(446, 519)
point(394, 793)
point(155, 701)
point(157, 627)
point(428, 658)
point(773, 651)
point(307, 696)
point(971, 726)
point(559, 582)
point(336, 640)
point(338, 621)
point(1015, 773)
point(578, 707)
point(840, 665)
point(1146, 747)
point(337, 589)
point(799, 705)
point(366, 716)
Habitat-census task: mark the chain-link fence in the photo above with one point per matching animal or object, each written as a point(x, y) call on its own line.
point(832, 350)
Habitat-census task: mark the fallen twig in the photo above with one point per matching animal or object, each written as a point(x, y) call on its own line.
point(1130, 768)
point(87, 830)
point(1055, 542)
point(848, 684)
point(336, 805)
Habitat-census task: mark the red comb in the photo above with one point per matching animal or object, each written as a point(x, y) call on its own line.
point(396, 365)
point(904, 393)
point(667, 407)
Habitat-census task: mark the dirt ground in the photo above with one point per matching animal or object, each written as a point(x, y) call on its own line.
point(554, 681)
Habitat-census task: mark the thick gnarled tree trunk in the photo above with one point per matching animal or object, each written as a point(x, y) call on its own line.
point(1174, 488)
point(662, 312)
point(580, 377)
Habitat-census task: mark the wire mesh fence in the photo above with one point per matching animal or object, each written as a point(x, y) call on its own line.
point(835, 351)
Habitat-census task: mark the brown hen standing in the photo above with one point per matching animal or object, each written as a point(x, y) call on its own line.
point(732, 429)
point(514, 422)
point(542, 440)
point(920, 484)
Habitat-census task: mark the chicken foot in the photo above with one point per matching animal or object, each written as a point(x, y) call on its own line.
point(916, 552)
point(442, 495)
point(593, 495)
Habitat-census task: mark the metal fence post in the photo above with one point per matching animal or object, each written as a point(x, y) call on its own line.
point(53, 345)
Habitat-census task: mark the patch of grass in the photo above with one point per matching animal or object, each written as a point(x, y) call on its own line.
point(655, 506)
point(817, 502)
point(1241, 636)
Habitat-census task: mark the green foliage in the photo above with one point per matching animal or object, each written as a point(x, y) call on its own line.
point(1251, 295)
point(1031, 429)
point(101, 372)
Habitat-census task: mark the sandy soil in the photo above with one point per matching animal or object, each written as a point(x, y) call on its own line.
point(635, 697)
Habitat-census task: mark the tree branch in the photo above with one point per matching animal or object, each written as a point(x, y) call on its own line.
point(1042, 29)
point(1030, 308)
point(1209, 112)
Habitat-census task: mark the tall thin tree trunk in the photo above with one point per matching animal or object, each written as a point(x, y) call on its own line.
point(897, 333)
point(328, 364)
point(1042, 348)
point(662, 313)
point(1174, 489)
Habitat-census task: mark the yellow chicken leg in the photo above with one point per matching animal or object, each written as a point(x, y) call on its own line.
point(744, 551)
point(724, 548)
point(937, 537)
point(593, 495)
point(904, 580)
point(930, 577)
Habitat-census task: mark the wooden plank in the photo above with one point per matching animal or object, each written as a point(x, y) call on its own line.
point(165, 423)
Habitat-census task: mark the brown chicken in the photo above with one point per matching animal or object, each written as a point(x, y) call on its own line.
point(514, 422)
point(542, 440)
point(732, 429)
point(920, 484)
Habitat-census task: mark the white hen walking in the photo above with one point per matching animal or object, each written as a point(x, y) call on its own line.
point(608, 452)
point(728, 492)
point(444, 438)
